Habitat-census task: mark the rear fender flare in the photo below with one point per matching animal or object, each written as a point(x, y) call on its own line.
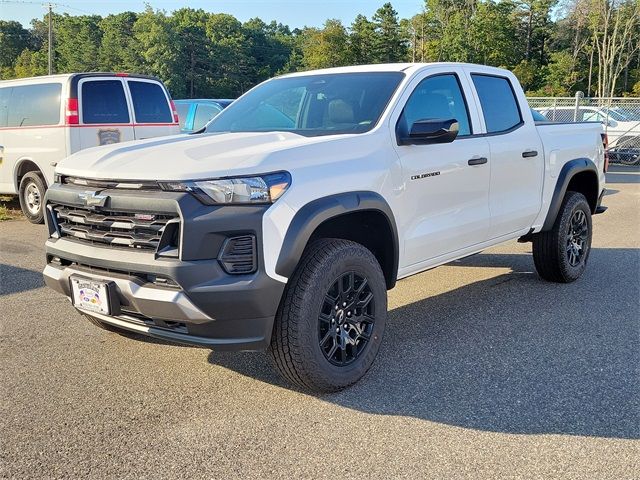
point(568, 171)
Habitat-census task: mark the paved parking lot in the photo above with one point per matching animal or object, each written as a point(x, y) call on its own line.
point(486, 371)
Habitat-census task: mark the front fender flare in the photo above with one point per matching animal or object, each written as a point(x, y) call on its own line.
point(312, 215)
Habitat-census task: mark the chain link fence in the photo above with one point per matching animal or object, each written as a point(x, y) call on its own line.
point(620, 117)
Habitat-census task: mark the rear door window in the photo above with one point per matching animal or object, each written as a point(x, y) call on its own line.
point(150, 103)
point(499, 104)
point(34, 105)
point(104, 102)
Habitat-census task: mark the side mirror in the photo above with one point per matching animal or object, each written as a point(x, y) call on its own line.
point(434, 130)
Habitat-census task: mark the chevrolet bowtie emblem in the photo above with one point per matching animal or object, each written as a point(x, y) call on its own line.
point(92, 199)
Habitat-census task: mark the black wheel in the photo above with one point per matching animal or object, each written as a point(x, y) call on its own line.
point(330, 322)
point(32, 190)
point(561, 254)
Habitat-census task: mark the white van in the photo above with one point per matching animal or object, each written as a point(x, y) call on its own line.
point(45, 119)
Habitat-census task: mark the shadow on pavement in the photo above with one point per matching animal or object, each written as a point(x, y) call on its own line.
point(510, 354)
point(16, 279)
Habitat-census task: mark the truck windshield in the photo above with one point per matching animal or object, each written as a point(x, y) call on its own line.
point(311, 105)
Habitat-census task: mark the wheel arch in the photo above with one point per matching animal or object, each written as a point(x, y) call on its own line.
point(24, 166)
point(335, 216)
point(577, 175)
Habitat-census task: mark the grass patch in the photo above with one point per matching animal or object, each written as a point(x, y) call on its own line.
point(9, 208)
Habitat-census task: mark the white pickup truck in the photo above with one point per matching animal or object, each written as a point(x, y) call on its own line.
point(284, 225)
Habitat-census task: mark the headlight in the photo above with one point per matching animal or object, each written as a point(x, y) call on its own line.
point(237, 190)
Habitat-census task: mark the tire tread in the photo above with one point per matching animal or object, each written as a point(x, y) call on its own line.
point(290, 355)
point(547, 245)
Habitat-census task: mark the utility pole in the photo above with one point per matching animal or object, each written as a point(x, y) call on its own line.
point(50, 6)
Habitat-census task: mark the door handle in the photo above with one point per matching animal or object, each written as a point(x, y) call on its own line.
point(529, 153)
point(477, 161)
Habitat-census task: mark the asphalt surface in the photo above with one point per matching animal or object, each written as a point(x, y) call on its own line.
point(486, 371)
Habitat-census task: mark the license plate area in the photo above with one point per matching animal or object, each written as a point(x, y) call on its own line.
point(91, 295)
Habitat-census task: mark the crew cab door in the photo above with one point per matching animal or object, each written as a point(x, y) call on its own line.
point(445, 204)
point(517, 156)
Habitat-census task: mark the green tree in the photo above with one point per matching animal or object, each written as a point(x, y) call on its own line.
point(270, 47)
point(230, 53)
point(560, 75)
point(326, 47)
point(193, 51)
point(449, 30)
point(118, 50)
point(154, 33)
point(588, 45)
point(77, 43)
point(362, 40)
point(14, 39)
point(494, 39)
point(30, 64)
point(388, 44)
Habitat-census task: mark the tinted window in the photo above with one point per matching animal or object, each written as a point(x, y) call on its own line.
point(103, 101)
point(5, 94)
point(204, 113)
point(437, 97)
point(33, 105)
point(499, 104)
point(149, 103)
point(324, 104)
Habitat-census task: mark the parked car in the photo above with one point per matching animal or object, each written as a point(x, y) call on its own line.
point(630, 113)
point(196, 113)
point(44, 119)
point(285, 231)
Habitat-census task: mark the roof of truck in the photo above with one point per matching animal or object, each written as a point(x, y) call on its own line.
point(390, 67)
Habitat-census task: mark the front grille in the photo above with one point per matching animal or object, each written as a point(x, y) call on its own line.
point(118, 229)
point(104, 184)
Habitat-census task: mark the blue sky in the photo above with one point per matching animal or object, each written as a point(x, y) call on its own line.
point(295, 13)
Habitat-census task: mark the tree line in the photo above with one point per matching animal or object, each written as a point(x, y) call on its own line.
point(555, 47)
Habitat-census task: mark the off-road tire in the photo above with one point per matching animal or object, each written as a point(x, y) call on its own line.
point(32, 181)
point(295, 343)
point(550, 249)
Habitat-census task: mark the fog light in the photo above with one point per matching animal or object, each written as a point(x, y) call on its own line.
point(238, 255)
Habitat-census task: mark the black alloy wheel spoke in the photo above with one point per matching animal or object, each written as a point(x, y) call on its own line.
point(577, 237)
point(346, 319)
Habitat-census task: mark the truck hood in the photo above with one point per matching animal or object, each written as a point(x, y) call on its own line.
point(183, 157)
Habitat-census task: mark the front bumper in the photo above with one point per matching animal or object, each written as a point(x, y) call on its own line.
point(187, 298)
